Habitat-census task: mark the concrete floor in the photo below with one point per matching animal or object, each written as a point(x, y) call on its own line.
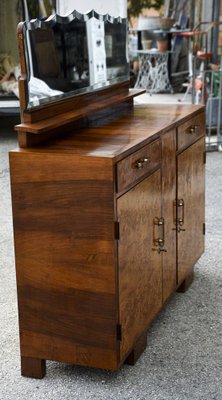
point(183, 359)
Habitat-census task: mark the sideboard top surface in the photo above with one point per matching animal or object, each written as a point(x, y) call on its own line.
point(116, 135)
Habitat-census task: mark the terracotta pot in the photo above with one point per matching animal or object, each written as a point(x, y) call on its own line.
point(162, 45)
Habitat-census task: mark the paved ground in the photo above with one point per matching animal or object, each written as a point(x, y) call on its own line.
point(183, 360)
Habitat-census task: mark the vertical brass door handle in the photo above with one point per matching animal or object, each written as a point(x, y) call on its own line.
point(179, 214)
point(158, 234)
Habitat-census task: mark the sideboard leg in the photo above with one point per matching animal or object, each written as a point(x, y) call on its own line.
point(137, 350)
point(184, 286)
point(33, 367)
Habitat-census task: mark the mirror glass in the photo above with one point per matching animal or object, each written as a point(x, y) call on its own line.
point(78, 53)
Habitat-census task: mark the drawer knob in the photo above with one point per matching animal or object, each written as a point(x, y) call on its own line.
point(139, 164)
point(192, 129)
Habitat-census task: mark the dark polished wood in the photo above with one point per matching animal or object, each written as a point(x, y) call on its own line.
point(33, 367)
point(184, 286)
point(140, 273)
point(138, 349)
point(64, 230)
point(90, 274)
point(191, 189)
point(108, 213)
point(138, 165)
point(121, 132)
point(190, 131)
point(168, 212)
point(58, 115)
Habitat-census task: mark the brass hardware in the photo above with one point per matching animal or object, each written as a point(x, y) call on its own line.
point(192, 129)
point(139, 164)
point(158, 241)
point(179, 215)
point(158, 221)
point(179, 229)
point(159, 250)
point(180, 210)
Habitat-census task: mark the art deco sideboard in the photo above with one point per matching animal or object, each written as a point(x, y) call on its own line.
point(108, 213)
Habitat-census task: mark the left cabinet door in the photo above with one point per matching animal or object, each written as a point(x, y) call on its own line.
point(140, 269)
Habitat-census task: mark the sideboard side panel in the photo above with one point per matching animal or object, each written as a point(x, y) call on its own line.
point(65, 262)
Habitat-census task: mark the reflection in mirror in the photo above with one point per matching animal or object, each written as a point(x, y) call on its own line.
point(66, 56)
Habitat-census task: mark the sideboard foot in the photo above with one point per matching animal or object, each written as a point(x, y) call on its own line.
point(137, 350)
point(33, 367)
point(186, 283)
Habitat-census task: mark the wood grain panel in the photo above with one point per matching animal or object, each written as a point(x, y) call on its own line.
point(128, 172)
point(140, 272)
point(85, 318)
point(77, 256)
point(40, 165)
point(60, 348)
point(65, 265)
point(33, 367)
point(191, 188)
point(118, 136)
point(168, 212)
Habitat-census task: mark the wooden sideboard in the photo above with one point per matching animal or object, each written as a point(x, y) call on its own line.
point(108, 223)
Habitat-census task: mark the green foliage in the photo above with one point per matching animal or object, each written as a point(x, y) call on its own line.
point(34, 7)
point(135, 7)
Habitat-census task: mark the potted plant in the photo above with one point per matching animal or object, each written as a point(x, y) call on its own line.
point(136, 7)
point(147, 24)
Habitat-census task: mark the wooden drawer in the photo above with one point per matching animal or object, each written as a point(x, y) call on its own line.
point(190, 131)
point(138, 164)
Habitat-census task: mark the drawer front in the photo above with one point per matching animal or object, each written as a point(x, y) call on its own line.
point(138, 164)
point(190, 131)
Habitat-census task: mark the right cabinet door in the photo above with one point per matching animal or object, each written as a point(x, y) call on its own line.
point(190, 207)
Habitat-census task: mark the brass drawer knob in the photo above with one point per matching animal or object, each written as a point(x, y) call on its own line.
point(192, 129)
point(139, 164)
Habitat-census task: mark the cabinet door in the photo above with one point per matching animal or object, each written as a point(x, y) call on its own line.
point(190, 206)
point(140, 270)
point(168, 212)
